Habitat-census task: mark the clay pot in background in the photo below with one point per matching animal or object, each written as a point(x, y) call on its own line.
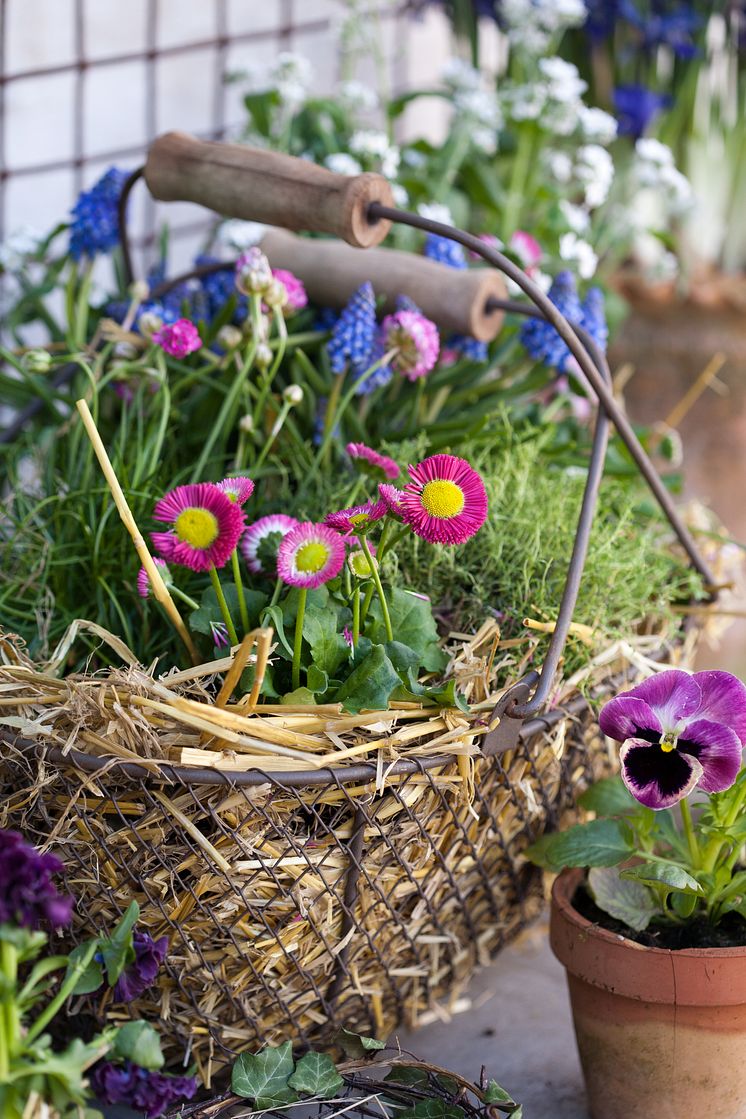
point(670, 342)
point(660, 1034)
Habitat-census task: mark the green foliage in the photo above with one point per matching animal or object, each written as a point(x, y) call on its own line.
point(316, 1075)
point(138, 1042)
point(622, 898)
point(263, 1077)
point(599, 843)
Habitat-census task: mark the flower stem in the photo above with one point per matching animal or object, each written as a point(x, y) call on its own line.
point(271, 373)
point(298, 644)
point(691, 838)
point(329, 415)
point(379, 588)
point(277, 427)
point(239, 591)
point(223, 606)
point(67, 988)
point(366, 603)
point(355, 616)
point(9, 1025)
point(185, 598)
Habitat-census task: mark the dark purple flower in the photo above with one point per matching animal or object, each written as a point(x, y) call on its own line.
point(679, 732)
point(28, 896)
point(636, 107)
point(148, 1091)
point(142, 972)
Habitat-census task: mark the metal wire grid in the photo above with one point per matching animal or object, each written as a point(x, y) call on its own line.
point(372, 918)
point(294, 19)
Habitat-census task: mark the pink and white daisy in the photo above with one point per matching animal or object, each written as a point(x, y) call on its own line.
point(238, 490)
point(296, 292)
point(372, 462)
point(261, 540)
point(445, 502)
point(392, 497)
point(358, 518)
point(143, 579)
point(178, 338)
point(310, 555)
point(207, 526)
point(527, 249)
point(415, 340)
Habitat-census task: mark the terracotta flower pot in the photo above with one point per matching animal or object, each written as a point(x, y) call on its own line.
point(661, 1034)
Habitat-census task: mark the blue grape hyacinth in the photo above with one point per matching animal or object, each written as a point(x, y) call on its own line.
point(542, 341)
point(354, 333)
point(445, 251)
point(94, 227)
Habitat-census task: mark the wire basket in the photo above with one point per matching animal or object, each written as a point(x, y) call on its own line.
point(297, 900)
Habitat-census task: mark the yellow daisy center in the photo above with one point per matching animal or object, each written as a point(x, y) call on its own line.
point(359, 519)
point(198, 527)
point(359, 565)
point(668, 742)
point(312, 556)
point(443, 499)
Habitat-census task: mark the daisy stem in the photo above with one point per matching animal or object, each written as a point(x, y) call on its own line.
point(239, 591)
point(331, 408)
point(269, 376)
point(366, 602)
point(276, 592)
point(298, 644)
point(691, 838)
point(355, 616)
point(223, 606)
point(379, 588)
point(183, 596)
point(277, 427)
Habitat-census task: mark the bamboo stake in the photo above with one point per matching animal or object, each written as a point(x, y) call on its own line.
point(160, 590)
point(693, 393)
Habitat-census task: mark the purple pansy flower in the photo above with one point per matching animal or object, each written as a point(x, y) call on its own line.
point(149, 1091)
point(142, 972)
point(27, 894)
point(679, 732)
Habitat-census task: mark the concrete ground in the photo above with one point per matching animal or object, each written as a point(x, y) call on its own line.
point(519, 1027)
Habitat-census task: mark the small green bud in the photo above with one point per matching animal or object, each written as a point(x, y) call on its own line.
point(38, 361)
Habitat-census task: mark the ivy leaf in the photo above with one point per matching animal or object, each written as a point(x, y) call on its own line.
point(599, 843)
point(328, 647)
point(609, 797)
point(370, 684)
point(432, 1109)
point(628, 901)
point(495, 1094)
point(408, 1074)
point(93, 976)
point(664, 874)
point(355, 1045)
point(263, 1077)
point(316, 1075)
point(116, 949)
point(138, 1042)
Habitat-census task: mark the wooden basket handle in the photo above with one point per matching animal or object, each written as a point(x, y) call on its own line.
point(242, 182)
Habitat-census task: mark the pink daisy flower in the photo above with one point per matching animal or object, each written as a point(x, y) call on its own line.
point(416, 341)
point(178, 338)
point(297, 298)
point(527, 249)
point(237, 489)
point(446, 501)
point(143, 579)
point(357, 518)
point(371, 462)
point(258, 539)
point(310, 555)
point(392, 497)
point(207, 526)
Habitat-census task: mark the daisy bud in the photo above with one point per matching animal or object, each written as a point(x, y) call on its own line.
point(253, 273)
point(149, 324)
point(246, 424)
point(139, 291)
point(125, 351)
point(359, 566)
point(38, 361)
point(292, 394)
point(229, 337)
point(263, 355)
point(276, 295)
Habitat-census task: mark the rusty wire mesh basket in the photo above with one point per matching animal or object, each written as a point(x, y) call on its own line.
point(360, 893)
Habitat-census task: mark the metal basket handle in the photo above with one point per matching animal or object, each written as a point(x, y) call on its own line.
point(254, 184)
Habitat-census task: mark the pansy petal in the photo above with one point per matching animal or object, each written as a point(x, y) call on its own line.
point(655, 777)
point(625, 716)
point(673, 695)
point(717, 748)
point(723, 701)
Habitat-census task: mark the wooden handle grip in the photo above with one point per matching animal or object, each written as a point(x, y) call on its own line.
point(256, 185)
point(456, 300)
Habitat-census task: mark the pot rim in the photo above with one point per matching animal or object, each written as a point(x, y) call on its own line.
point(684, 976)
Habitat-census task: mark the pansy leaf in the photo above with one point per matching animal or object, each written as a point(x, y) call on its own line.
point(316, 1075)
point(201, 621)
point(355, 1045)
point(317, 680)
point(116, 949)
point(301, 696)
point(664, 874)
point(598, 843)
point(93, 976)
point(138, 1042)
point(263, 1077)
point(328, 647)
point(370, 684)
point(609, 797)
point(626, 900)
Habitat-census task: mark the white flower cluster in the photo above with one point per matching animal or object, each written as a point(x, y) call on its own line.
point(459, 77)
point(654, 167)
point(372, 144)
point(341, 163)
point(593, 168)
point(475, 106)
point(531, 25)
point(20, 244)
point(357, 97)
point(575, 251)
point(291, 75)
